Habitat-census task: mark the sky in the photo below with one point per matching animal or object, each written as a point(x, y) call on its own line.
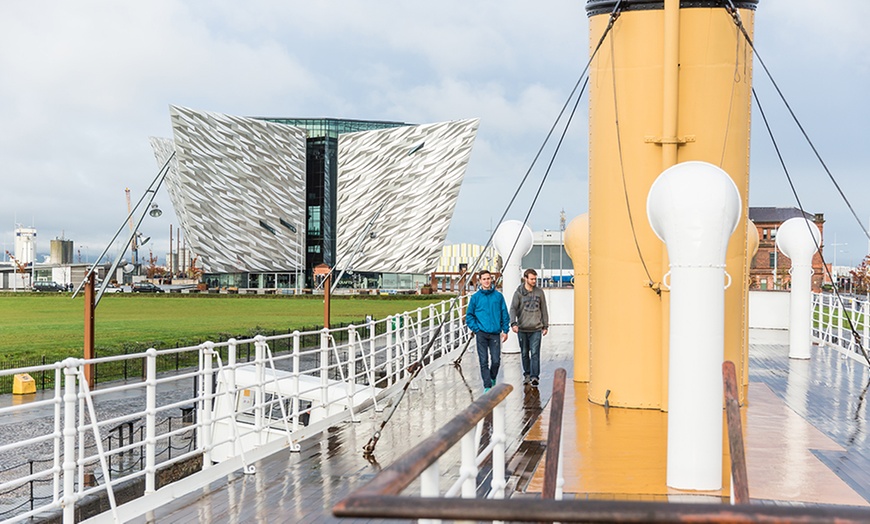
point(84, 84)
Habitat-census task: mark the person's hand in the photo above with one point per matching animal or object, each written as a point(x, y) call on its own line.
point(516, 329)
point(544, 331)
point(504, 337)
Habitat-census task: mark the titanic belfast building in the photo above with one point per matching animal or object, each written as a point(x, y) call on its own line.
point(262, 201)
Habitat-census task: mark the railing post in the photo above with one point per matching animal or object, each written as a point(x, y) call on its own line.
point(324, 370)
point(739, 479)
point(431, 322)
point(444, 328)
point(554, 435)
point(150, 419)
point(259, 393)
point(406, 342)
point(865, 325)
point(499, 438)
point(429, 487)
point(58, 436)
point(69, 440)
point(232, 355)
point(206, 400)
point(296, 380)
point(469, 466)
point(388, 362)
point(351, 363)
point(840, 318)
point(372, 361)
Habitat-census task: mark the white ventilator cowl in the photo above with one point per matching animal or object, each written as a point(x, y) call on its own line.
point(694, 207)
point(512, 239)
point(799, 239)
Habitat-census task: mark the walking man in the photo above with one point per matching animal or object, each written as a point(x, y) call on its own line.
point(487, 318)
point(529, 320)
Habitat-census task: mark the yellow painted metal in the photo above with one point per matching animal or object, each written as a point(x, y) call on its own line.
point(577, 245)
point(23, 384)
point(628, 329)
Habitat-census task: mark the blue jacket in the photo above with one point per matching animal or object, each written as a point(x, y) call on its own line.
point(487, 312)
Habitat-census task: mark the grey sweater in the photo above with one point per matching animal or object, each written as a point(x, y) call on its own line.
point(529, 309)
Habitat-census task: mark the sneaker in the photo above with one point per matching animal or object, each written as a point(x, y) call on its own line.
point(526, 380)
point(534, 382)
point(485, 390)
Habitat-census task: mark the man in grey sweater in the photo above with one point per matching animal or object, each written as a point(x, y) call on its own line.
point(529, 320)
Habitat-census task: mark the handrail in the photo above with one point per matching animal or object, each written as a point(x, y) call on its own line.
point(554, 436)
point(395, 478)
point(380, 498)
point(739, 478)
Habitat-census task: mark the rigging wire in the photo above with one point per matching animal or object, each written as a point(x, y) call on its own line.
point(415, 367)
point(584, 79)
point(735, 15)
point(737, 20)
point(650, 282)
point(852, 328)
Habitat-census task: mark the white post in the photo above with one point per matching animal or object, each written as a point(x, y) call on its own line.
point(468, 467)
point(351, 365)
point(232, 395)
point(694, 207)
point(150, 421)
point(429, 487)
point(499, 438)
point(295, 380)
point(206, 399)
point(260, 423)
point(69, 440)
point(513, 240)
point(798, 239)
point(324, 370)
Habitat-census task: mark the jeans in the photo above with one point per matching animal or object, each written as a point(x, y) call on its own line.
point(530, 348)
point(488, 347)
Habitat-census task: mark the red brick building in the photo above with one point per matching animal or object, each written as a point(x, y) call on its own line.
point(761, 272)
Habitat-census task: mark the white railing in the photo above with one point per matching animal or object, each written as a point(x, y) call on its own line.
point(833, 321)
point(325, 377)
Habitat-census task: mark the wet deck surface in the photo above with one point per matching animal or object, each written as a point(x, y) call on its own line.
point(806, 437)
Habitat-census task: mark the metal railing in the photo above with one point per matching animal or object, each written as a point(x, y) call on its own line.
point(834, 318)
point(342, 370)
point(381, 497)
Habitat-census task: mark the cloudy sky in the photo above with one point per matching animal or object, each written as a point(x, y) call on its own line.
point(84, 84)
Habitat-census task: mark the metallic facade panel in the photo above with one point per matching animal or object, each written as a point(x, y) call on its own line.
point(413, 175)
point(238, 187)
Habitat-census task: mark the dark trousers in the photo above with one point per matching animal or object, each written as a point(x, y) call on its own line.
point(530, 348)
point(489, 355)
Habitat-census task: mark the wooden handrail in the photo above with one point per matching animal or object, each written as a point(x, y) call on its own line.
point(739, 478)
point(395, 478)
point(380, 497)
point(554, 435)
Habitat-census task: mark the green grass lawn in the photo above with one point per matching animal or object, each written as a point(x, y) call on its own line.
point(33, 325)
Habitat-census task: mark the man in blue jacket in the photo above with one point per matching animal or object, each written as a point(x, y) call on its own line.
point(487, 317)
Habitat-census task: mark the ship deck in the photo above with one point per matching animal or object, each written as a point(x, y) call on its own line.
point(805, 425)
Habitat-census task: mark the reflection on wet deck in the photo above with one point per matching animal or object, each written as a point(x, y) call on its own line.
point(805, 427)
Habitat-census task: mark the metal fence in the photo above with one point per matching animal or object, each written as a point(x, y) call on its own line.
point(836, 320)
point(93, 440)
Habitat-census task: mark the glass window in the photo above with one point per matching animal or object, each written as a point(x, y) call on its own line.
point(772, 259)
point(314, 220)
